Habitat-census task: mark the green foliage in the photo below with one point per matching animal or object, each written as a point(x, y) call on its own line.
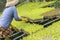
point(31, 13)
point(33, 5)
point(7, 38)
point(27, 26)
point(33, 10)
point(37, 32)
point(52, 33)
point(57, 4)
point(34, 13)
point(2, 5)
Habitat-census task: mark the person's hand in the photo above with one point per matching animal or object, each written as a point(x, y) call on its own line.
point(23, 18)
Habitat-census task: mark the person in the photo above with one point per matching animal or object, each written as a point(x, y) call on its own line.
point(6, 18)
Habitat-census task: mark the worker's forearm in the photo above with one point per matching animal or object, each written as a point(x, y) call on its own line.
point(23, 19)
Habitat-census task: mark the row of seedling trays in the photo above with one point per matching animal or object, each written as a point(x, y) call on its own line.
point(46, 21)
point(18, 34)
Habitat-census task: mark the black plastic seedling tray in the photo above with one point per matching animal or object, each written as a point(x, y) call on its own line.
point(46, 22)
point(49, 23)
point(18, 34)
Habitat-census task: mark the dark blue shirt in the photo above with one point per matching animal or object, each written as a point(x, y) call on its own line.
point(7, 16)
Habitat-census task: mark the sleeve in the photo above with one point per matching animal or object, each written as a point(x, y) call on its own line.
point(16, 15)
